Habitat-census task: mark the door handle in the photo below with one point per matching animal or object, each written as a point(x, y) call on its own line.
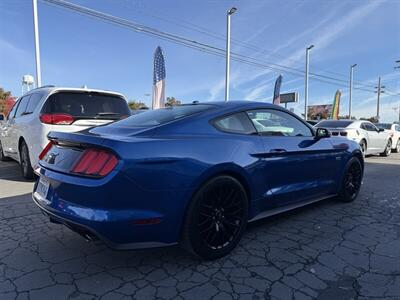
point(277, 151)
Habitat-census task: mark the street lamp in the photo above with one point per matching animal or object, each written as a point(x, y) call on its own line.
point(306, 85)
point(37, 48)
point(229, 13)
point(351, 88)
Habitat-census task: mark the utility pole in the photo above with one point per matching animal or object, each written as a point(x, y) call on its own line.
point(229, 13)
point(379, 90)
point(37, 48)
point(351, 88)
point(306, 83)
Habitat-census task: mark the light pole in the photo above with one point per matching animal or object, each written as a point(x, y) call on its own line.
point(398, 67)
point(229, 13)
point(37, 48)
point(306, 85)
point(351, 87)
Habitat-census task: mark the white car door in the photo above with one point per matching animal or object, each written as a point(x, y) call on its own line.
point(373, 137)
point(15, 126)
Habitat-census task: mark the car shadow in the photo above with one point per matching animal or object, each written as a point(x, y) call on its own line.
point(10, 170)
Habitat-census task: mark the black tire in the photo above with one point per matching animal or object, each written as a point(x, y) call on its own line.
point(388, 149)
point(25, 162)
point(216, 218)
point(397, 149)
point(351, 182)
point(363, 146)
point(2, 156)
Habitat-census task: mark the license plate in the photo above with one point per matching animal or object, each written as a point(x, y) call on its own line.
point(43, 187)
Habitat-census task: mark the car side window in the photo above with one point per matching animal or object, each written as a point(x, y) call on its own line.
point(33, 103)
point(11, 114)
point(370, 127)
point(22, 106)
point(235, 123)
point(278, 123)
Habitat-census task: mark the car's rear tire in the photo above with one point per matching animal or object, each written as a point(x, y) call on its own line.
point(388, 149)
point(25, 162)
point(2, 156)
point(397, 149)
point(216, 218)
point(351, 182)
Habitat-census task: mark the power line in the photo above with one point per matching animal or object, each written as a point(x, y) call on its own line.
point(193, 44)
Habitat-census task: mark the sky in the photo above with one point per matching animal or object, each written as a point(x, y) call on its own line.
point(78, 50)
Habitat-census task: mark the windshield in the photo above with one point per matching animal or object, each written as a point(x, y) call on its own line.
point(163, 115)
point(87, 105)
point(334, 124)
point(384, 125)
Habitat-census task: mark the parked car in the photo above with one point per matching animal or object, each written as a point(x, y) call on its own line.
point(312, 122)
point(394, 133)
point(24, 134)
point(371, 139)
point(193, 174)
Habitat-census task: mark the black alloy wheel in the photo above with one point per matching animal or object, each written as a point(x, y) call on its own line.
point(25, 162)
point(388, 149)
point(216, 218)
point(352, 180)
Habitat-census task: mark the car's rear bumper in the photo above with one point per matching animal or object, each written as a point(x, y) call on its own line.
point(118, 226)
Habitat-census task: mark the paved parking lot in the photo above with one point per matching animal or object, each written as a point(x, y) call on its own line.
point(328, 251)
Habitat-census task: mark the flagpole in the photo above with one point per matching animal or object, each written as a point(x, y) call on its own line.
point(228, 50)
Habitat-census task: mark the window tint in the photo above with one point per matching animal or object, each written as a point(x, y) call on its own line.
point(334, 124)
point(163, 115)
point(237, 123)
point(278, 123)
point(33, 103)
point(87, 105)
point(397, 127)
point(22, 106)
point(369, 127)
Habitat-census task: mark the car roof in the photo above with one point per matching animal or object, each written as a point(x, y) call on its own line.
point(52, 89)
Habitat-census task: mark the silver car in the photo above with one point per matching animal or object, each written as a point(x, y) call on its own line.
point(371, 139)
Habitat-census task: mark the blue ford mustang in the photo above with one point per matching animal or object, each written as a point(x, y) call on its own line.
point(191, 174)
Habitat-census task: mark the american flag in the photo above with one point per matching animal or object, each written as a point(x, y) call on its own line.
point(159, 79)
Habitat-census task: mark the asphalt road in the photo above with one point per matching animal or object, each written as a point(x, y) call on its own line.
point(329, 250)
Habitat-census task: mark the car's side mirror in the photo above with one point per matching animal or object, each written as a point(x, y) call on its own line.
point(381, 129)
point(322, 133)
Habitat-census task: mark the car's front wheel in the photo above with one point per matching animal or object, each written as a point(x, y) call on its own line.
point(216, 218)
point(352, 180)
point(388, 149)
point(25, 162)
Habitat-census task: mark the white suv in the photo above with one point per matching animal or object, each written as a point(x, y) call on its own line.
point(23, 134)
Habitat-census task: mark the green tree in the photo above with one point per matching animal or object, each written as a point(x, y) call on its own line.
point(135, 105)
point(172, 101)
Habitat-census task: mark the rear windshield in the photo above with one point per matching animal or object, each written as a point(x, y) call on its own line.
point(163, 115)
point(334, 124)
point(87, 105)
point(384, 125)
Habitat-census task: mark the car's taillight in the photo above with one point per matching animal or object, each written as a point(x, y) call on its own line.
point(57, 119)
point(45, 150)
point(95, 162)
point(343, 133)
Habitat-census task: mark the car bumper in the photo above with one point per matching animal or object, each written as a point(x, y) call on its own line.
point(119, 228)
